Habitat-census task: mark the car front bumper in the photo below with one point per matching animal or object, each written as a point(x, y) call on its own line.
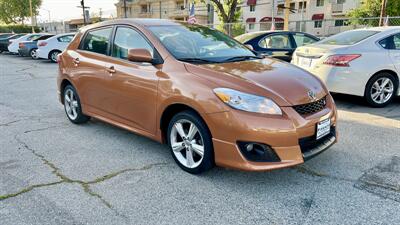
point(291, 136)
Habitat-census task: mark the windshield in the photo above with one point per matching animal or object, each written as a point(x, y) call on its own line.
point(349, 37)
point(188, 41)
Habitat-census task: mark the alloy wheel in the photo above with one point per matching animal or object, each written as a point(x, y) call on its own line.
point(71, 104)
point(187, 143)
point(53, 56)
point(382, 90)
point(33, 54)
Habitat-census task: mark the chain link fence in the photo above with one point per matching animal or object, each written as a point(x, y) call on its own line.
point(320, 28)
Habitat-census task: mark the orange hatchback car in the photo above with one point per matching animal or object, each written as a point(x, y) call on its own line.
point(211, 99)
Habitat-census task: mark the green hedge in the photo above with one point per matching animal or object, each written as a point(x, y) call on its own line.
point(17, 29)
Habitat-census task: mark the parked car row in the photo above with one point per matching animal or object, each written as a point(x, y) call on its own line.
point(36, 45)
point(364, 62)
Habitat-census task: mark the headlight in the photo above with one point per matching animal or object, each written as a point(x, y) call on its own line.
point(247, 102)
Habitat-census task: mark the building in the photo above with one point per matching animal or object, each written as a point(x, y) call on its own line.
point(318, 17)
point(74, 24)
point(53, 27)
point(165, 9)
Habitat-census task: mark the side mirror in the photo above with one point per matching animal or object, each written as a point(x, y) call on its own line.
point(140, 55)
point(249, 47)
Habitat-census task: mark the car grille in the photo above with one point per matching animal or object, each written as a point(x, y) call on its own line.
point(312, 107)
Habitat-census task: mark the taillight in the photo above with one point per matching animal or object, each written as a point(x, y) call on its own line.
point(341, 60)
point(43, 43)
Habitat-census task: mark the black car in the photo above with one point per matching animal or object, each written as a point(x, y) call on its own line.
point(5, 41)
point(277, 44)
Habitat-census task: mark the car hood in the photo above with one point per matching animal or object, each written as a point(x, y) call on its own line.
point(284, 83)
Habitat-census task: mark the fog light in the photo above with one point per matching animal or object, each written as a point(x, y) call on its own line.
point(258, 152)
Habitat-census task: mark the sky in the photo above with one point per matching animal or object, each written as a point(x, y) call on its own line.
point(67, 9)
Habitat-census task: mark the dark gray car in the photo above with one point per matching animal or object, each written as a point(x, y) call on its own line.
point(28, 48)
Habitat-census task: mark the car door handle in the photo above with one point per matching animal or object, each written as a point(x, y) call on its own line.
point(76, 61)
point(111, 70)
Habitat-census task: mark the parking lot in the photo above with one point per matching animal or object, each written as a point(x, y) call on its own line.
point(55, 172)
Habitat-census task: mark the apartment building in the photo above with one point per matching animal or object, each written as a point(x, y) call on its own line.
point(165, 9)
point(318, 17)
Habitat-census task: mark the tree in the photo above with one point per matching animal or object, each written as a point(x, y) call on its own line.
point(372, 8)
point(17, 11)
point(228, 12)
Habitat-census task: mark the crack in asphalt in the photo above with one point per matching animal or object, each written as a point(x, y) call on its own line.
point(9, 123)
point(309, 171)
point(24, 70)
point(65, 179)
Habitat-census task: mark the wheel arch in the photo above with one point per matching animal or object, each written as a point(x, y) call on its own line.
point(172, 110)
point(51, 51)
point(63, 84)
point(389, 71)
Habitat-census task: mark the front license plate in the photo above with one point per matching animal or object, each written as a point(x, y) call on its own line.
point(323, 128)
point(305, 62)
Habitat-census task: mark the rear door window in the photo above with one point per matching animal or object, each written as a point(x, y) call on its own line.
point(277, 41)
point(66, 39)
point(97, 41)
point(302, 39)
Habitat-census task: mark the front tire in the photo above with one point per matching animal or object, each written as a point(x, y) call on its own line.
point(72, 106)
point(190, 142)
point(380, 90)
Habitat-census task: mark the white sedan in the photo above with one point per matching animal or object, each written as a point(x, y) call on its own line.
point(14, 46)
point(50, 48)
point(363, 62)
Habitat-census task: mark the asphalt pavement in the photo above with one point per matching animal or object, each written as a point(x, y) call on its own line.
point(55, 172)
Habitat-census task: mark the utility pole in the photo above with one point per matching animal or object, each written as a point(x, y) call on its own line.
point(125, 15)
point(83, 11)
point(272, 14)
point(30, 7)
point(383, 12)
point(286, 15)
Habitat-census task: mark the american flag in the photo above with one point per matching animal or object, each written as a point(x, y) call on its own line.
point(192, 17)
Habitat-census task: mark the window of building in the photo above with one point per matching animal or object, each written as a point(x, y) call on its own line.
point(340, 1)
point(252, 8)
point(180, 5)
point(251, 26)
point(280, 8)
point(318, 24)
point(97, 41)
point(292, 5)
point(340, 23)
point(320, 3)
point(302, 6)
point(143, 8)
point(127, 38)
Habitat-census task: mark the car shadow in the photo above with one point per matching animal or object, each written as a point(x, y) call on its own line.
point(357, 104)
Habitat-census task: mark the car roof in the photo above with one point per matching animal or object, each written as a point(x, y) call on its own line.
point(143, 22)
point(384, 28)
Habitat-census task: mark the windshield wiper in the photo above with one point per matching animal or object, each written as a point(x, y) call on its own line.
point(196, 60)
point(241, 58)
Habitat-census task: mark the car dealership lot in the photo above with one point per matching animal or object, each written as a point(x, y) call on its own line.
point(55, 172)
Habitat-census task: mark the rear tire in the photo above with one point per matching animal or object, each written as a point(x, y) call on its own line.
point(53, 55)
point(381, 89)
point(72, 106)
point(33, 54)
point(190, 142)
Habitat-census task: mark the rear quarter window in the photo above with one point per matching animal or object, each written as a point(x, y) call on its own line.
point(97, 40)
